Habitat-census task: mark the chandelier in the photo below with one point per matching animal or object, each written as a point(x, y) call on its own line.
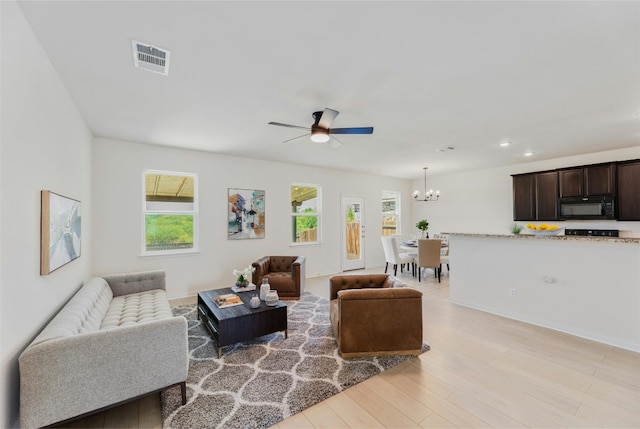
point(428, 195)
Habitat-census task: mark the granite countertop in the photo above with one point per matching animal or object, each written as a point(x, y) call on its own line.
point(633, 240)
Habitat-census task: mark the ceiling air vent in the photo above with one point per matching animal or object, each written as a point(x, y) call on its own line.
point(150, 58)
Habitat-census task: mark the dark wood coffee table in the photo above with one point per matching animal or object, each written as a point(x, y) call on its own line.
point(240, 322)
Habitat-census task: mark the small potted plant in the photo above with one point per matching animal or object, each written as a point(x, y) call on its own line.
point(516, 228)
point(242, 279)
point(423, 226)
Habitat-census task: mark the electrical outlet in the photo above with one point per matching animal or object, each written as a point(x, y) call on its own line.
point(512, 292)
point(547, 279)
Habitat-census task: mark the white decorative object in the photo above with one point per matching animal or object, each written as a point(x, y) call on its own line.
point(249, 288)
point(272, 298)
point(242, 276)
point(255, 301)
point(264, 288)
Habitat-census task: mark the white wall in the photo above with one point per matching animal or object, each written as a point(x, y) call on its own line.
point(45, 144)
point(593, 292)
point(117, 221)
point(482, 201)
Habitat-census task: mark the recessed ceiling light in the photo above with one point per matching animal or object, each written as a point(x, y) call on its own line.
point(528, 153)
point(505, 144)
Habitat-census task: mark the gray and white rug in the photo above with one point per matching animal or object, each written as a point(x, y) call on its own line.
point(258, 383)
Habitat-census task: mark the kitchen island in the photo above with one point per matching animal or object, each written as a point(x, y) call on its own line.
point(585, 286)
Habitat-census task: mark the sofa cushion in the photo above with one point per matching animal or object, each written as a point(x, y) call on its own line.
point(82, 314)
point(135, 308)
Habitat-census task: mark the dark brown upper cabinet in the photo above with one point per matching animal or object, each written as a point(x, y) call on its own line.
point(523, 197)
point(592, 180)
point(535, 196)
point(547, 195)
point(629, 190)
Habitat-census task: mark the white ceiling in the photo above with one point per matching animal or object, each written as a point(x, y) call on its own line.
point(555, 78)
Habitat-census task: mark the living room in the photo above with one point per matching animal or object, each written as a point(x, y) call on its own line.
point(47, 143)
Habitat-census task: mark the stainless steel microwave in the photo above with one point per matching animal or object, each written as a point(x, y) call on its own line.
point(601, 207)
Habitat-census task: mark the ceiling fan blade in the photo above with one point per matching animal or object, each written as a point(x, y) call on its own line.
point(288, 126)
point(352, 130)
point(296, 138)
point(334, 142)
point(327, 118)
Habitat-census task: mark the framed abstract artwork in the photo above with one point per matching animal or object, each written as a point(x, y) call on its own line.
point(60, 231)
point(246, 214)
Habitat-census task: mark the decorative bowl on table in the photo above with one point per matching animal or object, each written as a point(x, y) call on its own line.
point(544, 230)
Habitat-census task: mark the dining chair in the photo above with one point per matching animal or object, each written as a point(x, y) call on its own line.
point(444, 249)
point(429, 256)
point(393, 256)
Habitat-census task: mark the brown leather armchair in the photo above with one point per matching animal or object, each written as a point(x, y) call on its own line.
point(375, 315)
point(286, 274)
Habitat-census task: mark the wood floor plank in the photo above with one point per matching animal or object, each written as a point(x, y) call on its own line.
point(554, 379)
point(123, 417)
point(297, 421)
point(482, 410)
point(553, 405)
point(496, 399)
point(399, 399)
point(614, 393)
point(630, 417)
point(352, 412)
point(379, 408)
point(322, 416)
point(436, 421)
point(602, 419)
point(150, 412)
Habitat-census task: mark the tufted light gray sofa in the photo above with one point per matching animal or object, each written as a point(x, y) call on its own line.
point(115, 340)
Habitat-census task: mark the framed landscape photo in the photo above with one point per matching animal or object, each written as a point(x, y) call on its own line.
point(60, 231)
point(246, 214)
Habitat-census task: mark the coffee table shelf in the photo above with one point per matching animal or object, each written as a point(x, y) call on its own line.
point(240, 322)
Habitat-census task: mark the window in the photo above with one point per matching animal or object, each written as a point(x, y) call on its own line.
point(306, 202)
point(170, 213)
point(390, 213)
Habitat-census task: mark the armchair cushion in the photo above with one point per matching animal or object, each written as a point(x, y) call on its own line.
point(286, 274)
point(374, 315)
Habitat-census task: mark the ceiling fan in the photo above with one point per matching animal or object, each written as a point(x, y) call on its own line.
point(321, 130)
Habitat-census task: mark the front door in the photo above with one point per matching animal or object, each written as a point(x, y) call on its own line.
point(352, 233)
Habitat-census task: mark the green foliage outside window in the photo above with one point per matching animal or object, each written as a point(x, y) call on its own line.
point(351, 216)
point(306, 222)
point(168, 231)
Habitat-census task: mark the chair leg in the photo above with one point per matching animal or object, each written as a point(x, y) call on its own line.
point(419, 273)
point(385, 267)
point(395, 270)
point(437, 273)
point(183, 391)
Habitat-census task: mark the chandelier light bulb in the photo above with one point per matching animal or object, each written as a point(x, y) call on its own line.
point(428, 195)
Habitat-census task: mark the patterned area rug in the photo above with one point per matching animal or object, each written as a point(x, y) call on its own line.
point(258, 383)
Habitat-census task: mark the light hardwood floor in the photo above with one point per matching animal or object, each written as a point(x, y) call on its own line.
point(482, 371)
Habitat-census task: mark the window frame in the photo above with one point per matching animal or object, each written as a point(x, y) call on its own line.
point(317, 214)
point(194, 212)
point(397, 196)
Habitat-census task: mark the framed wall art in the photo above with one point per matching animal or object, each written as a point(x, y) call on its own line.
point(60, 231)
point(246, 214)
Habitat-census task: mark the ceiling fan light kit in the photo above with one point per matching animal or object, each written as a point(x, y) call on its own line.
point(321, 132)
point(428, 195)
point(319, 135)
